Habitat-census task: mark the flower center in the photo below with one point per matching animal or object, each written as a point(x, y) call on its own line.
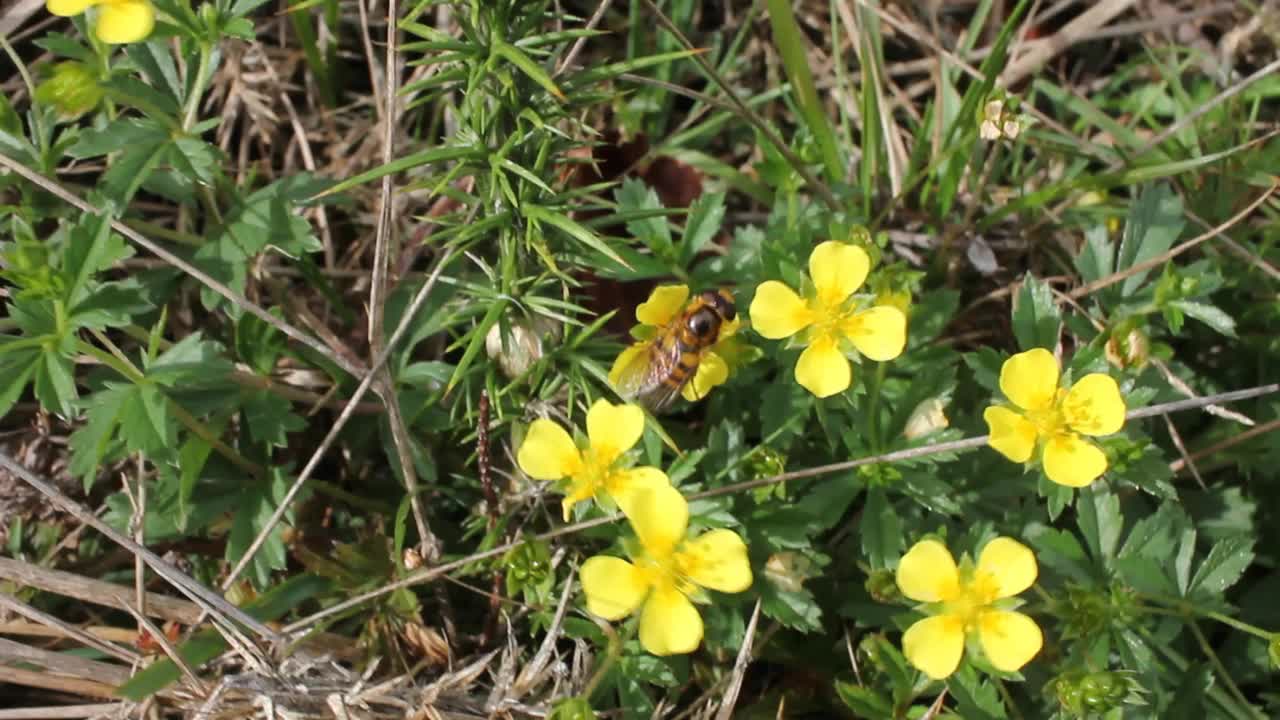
point(1049, 420)
point(664, 573)
point(830, 319)
point(597, 462)
point(974, 597)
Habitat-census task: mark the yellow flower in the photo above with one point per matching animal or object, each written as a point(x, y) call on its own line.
point(663, 305)
point(963, 601)
point(119, 21)
point(1054, 419)
point(666, 574)
point(832, 317)
point(548, 453)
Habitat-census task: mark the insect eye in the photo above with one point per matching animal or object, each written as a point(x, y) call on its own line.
point(700, 324)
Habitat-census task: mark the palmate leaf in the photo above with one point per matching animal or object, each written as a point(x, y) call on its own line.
point(258, 500)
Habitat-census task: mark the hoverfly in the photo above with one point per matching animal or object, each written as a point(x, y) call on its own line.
point(666, 362)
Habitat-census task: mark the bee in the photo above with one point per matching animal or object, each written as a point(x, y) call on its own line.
point(662, 366)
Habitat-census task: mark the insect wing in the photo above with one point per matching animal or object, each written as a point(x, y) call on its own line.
point(644, 378)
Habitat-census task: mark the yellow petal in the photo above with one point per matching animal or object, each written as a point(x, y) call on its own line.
point(624, 486)
point(880, 332)
point(716, 560)
point(68, 8)
point(934, 645)
point(1012, 435)
point(729, 328)
point(548, 453)
point(778, 312)
point(1009, 639)
point(1073, 461)
point(1030, 379)
point(613, 429)
point(669, 623)
point(125, 21)
point(1093, 406)
point(927, 573)
point(822, 369)
point(663, 304)
point(838, 270)
point(712, 371)
point(623, 360)
point(660, 517)
point(613, 586)
point(1010, 563)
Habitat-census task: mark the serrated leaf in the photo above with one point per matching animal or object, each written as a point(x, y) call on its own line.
point(1208, 314)
point(1223, 566)
point(258, 500)
point(705, 217)
point(864, 702)
point(1154, 222)
point(1036, 318)
point(270, 418)
point(1100, 523)
point(654, 232)
point(881, 530)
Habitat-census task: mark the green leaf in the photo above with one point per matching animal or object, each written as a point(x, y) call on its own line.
point(1210, 315)
point(653, 231)
point(881, 530)
point(792, 46)
point(270, 418)
point(975, 698)
point(1154, 222)
point(16, 370)
point(408, 162)
point(1225, 564)
point(55, 384)
point(574, 230)
point(1036, 318)
point(1100, 523)
point(516, 56)
point(258, 500)
point(705, 216)
point(864, 702)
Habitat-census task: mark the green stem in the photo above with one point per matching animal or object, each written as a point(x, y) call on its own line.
point(1181, 608)
point(1218, 667)
point(873, 406)
point(197, 88)
point(611, 656)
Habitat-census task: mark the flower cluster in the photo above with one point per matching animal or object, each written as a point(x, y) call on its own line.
point(668, 570)
point(119, 21)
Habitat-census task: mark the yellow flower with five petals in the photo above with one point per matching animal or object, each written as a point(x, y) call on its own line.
point(968, 601)
point(666, 574)
point(833, 318)
point(549, 453)
point(1054, 419)
point(119, 21)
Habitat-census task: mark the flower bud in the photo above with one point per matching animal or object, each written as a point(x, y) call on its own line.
point(523, 347)
point(72, 89)
point(1128, 350)
point(788, 570)
point(926, 418)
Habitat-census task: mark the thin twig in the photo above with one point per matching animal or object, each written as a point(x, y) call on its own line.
point(17, 606)
point(739, 667)
point(198, 593)
point(158, 636)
